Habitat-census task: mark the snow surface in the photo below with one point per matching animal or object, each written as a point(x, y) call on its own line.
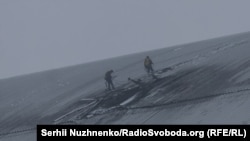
point(206, 82)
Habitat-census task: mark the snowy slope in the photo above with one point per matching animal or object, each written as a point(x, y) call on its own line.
point(208, 83)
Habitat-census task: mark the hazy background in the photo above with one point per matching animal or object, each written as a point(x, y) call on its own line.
point(37, 35)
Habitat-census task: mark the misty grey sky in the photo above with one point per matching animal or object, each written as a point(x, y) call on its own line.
point(36, 35)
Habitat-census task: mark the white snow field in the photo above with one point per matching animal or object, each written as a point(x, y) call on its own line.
point(206, 82)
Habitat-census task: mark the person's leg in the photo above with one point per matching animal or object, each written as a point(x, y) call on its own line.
point(151, 68)
point(108, 85)
point(111, 82)
point(147, 69)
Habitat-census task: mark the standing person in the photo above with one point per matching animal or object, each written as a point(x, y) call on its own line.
point(148, 65)
point(108, 78)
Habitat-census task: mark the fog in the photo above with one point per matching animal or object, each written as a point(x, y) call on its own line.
point(37, 35)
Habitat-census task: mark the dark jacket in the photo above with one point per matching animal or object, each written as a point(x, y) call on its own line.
point(148, 62)
point(108, 76)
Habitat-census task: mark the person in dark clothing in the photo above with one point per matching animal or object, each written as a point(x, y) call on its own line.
point(148, 65)
point(108, 78)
